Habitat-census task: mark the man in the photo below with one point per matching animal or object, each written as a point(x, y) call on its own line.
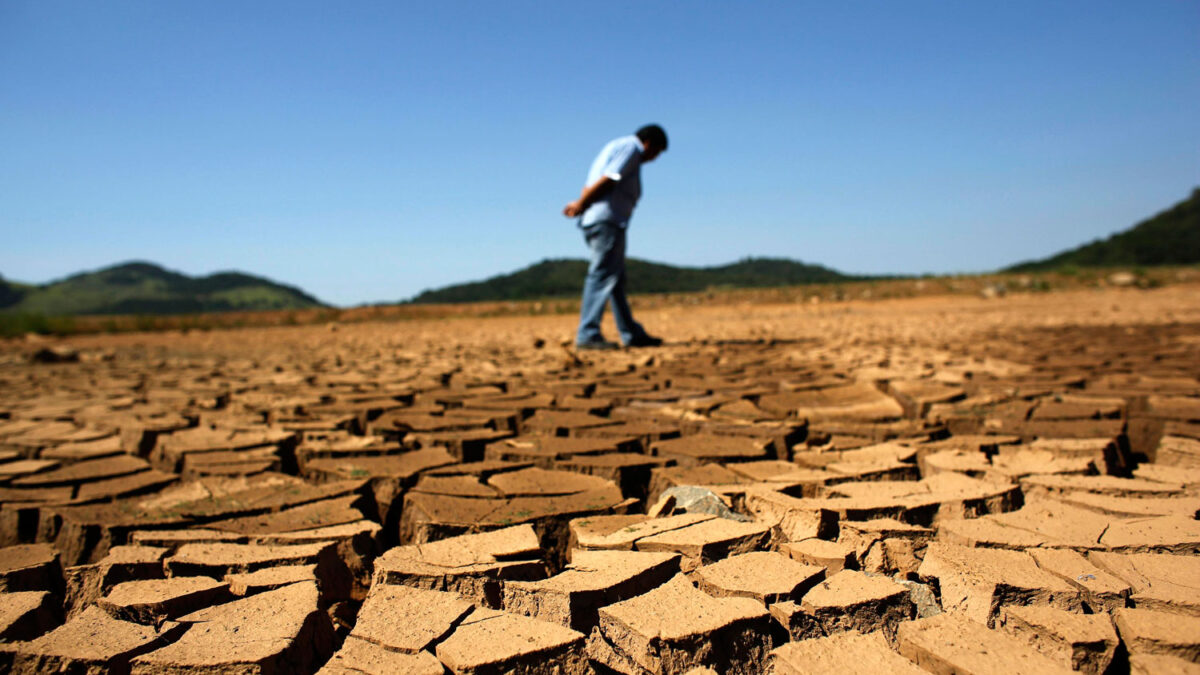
point(614, 185)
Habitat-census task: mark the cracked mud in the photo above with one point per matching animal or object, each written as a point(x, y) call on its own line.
point(929, 485)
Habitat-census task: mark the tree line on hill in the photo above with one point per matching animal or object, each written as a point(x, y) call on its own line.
point(564, 278)
point(146, 288)
point(1171, 237)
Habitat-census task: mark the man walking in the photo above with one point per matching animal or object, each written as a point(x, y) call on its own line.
point(614, 185)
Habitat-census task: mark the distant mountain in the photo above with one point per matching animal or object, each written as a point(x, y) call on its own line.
point(564, 278)
point(146, 288)
point(1169, 238)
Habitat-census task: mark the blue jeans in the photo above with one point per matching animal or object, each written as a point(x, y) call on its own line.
point(604, 283)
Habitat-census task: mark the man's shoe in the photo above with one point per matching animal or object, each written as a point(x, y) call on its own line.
point(599, 344)
point(645, 341)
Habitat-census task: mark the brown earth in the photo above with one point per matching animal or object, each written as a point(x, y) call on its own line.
point(938, 483)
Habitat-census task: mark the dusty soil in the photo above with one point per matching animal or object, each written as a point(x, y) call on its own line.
point(937, 483)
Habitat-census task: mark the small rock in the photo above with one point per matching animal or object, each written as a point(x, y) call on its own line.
point(1122, 279)
point(992, 291)
point(923, 597)
point(58, 354)
point(691, 499)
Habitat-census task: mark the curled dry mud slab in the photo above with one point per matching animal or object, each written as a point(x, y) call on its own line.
point(932, 485)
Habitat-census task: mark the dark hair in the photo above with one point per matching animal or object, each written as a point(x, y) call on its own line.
point(653, 136)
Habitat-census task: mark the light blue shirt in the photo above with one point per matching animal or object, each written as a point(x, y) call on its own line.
point(621, 161)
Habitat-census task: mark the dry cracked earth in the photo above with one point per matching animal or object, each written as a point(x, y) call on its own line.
point(943, 485)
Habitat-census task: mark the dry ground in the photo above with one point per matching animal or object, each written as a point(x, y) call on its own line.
point(940, 483)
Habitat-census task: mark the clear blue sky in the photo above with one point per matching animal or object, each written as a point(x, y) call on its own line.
point(366, 151)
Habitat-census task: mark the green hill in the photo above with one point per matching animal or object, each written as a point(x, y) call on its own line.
point(11, 292)
point(1169, 238)
point(145, 288)
point(564, 278)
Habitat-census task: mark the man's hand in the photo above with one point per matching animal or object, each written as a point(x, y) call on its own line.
point(590, 194)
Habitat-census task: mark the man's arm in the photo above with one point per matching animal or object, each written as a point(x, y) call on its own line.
point(589, 196)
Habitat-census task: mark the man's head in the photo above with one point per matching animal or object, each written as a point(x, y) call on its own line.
point(654, 139)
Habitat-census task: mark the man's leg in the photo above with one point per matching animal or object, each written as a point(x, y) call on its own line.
point(601, 278)
point(629, 329)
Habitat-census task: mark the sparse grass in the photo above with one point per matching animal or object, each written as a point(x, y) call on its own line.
point(17, 324)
